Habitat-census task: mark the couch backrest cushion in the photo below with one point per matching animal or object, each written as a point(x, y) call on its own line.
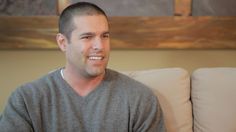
point(214, 99)
point(172, 86)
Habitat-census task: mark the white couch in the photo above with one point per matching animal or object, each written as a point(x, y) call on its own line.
point(202, 102)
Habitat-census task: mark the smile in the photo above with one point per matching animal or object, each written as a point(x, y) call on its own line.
point(95, 58)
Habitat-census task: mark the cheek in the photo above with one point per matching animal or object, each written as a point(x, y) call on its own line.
point(80, 52)
point(108, 48)
point(73, 51)
point(107, 44)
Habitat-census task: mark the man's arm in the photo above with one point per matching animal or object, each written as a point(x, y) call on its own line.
point(15, 117)
point(149, 117)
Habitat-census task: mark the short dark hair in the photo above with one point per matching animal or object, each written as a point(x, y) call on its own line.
point(66, 25)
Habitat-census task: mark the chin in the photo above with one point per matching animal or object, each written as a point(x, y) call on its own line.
point(96, 72)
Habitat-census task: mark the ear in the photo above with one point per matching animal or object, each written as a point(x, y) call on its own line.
point(61, 41)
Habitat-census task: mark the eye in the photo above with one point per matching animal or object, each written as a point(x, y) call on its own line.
point(86, 37)
point(106, 35)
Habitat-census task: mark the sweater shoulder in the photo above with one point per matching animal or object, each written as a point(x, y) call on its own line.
point(131, 86)
point(40, 86)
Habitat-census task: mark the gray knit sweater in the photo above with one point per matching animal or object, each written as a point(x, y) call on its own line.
point(49, 104)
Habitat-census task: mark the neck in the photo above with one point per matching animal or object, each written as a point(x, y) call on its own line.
point(81, 84)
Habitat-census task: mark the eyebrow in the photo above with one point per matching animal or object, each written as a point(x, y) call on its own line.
point(91, 33)
point(107, 32)
point(87, 34)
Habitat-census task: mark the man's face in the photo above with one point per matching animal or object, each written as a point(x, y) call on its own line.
point(88, 49)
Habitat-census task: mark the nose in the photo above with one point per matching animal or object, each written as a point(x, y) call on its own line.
point(97, 45)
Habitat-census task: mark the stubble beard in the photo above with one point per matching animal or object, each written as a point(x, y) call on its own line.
point(92, 71)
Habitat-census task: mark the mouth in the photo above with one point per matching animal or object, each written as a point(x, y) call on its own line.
point(96, 58)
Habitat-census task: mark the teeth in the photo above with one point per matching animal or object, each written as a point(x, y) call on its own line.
point(95, 58)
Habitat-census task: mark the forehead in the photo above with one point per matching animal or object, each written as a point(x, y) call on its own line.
point(90, 22)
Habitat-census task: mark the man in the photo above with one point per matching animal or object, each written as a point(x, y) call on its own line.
point(83, 96)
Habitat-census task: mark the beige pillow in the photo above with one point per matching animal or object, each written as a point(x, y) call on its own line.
point(171, 85)
point(214, 99)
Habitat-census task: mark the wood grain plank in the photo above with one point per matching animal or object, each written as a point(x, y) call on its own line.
point(28, 32)
point(174, 32)
point(127, 32)
point(183, 7)
point(61, 5)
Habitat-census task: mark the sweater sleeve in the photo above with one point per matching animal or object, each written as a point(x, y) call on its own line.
point(15, 117)
point(148, 116)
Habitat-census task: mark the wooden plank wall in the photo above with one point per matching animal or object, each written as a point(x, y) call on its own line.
point(183, 7)
point(178, 32)
point(37, 32)
point(128, 32)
